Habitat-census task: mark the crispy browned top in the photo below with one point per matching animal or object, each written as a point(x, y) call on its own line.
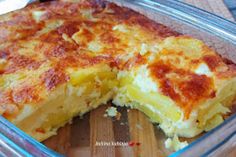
point(176, 70)
point(182, 86)
point(40, 42)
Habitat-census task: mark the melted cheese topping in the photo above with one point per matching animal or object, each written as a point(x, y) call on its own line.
point(98, 45)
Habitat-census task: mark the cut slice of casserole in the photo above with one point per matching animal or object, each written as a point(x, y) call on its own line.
point(186, 87)
point(61, 59)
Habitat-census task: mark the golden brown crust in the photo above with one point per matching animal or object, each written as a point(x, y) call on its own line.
point(183, 86)
point(62, 37)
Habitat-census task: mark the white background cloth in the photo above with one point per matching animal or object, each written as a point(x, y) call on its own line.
point(11, 5)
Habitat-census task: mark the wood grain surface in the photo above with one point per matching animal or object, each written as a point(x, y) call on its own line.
point(143, 138)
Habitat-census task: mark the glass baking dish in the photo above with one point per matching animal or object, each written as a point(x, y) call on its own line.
point(215, 31)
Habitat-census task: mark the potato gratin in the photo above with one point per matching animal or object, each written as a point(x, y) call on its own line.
point(61, 59)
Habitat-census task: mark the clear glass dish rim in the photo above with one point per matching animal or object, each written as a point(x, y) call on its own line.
point(193, 16)
point(209, 22)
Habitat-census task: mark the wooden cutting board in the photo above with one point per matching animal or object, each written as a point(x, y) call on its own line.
point(144, 139)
